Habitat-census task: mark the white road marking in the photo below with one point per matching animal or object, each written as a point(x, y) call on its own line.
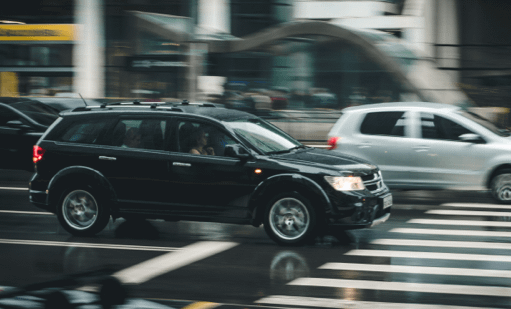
point(477, 205)
point(86, 245)
point(13, 188)
point(26, 212)
point(460, 222)
point(405, 286)
point(468, 213)
point(451, 232)
point(442, 243)
point(431, 255)
point(352, 304)
point(471, 272)
point(167, 262)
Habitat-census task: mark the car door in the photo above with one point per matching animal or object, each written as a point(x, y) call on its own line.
point(134, 160)
point(208, 185)
point(443, 159)
point(383, 138)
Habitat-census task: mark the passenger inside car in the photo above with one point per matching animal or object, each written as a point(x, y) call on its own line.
point(200, 137)
point(132, 139)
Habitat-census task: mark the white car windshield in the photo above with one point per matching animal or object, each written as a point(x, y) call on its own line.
point(264, 136)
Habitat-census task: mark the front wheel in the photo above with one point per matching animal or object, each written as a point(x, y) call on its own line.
point(82, 213)
point(501, 187)
point(290, 219)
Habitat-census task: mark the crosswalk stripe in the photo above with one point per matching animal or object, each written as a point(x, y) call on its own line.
point(460, 222)
point(477, 205)
point(430, 255)
point(162, 264)
point(468, 213)
point(451, 232)
point(341, 303)
point(405, 286)
point(442, 243)
point(85, 245)
point(426, 270)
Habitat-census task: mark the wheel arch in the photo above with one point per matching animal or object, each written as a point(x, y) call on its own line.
point(79, 175)
point(495, 171)
point(282, 183)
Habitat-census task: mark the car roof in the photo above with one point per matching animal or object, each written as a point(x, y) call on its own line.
point(13, 100)
point(202, 109)
point(406, 105)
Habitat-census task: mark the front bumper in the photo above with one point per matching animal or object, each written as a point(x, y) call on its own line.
point(364, 213)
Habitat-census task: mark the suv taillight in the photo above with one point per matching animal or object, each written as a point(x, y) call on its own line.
point(37, 153)
point(332, 142)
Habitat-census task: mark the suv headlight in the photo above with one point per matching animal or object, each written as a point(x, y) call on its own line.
point(350, 183)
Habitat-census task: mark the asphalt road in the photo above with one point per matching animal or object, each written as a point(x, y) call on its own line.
point(438, 249)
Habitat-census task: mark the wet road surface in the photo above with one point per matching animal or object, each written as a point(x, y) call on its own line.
point(437, 249)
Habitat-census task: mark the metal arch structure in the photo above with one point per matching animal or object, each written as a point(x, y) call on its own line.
point(423, 81)
point(299, 28)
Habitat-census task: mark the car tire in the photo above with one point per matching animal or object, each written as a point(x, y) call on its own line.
point(501, 186)
point(290, 219)
point(82, 212)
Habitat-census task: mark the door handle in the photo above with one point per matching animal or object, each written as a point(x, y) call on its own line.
point(181, 164)
point(107, 158)
point(364, 145)
point(421, 148)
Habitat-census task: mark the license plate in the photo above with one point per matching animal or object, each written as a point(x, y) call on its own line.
point(387, 201)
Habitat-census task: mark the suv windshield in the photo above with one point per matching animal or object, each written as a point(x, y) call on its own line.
point(486, 123)
point(264, 136)
point(39, 112)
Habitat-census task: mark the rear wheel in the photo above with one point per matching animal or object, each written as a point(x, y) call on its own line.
point(501, 186)
point(290, 219)
point(82, 212)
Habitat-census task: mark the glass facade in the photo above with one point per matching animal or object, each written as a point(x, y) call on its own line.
point(308, 72)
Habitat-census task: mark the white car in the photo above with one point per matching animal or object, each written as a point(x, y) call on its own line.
point(426, 146)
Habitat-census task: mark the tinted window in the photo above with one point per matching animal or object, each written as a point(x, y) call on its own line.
point(202, 139)
point(84, 132)
point(39, 112)
point(384, 123)
point(437, 127)
point(139, 133)
point(7, 115)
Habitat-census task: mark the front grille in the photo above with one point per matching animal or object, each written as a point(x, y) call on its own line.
point(373, 182)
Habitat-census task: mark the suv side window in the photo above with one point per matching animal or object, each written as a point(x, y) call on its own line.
point(200, 138)
point(437, 127)
point(384, 123)
point(139, 133)
point(84, 132)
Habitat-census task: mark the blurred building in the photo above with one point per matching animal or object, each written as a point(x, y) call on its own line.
point(300, 54)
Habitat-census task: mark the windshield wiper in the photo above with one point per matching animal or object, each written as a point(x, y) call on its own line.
point(287, 150)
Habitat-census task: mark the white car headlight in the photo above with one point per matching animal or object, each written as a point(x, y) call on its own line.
point(350, 183)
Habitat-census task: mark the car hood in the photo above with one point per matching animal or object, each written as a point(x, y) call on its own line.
point(323, 158)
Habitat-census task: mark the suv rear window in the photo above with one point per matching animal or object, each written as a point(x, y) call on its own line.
point(384, 123)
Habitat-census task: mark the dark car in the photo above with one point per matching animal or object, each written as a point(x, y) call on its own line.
point(202, 163)
point(22, 122)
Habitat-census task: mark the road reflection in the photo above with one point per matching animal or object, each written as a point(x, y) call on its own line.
point(287, 266)
point(137, 229)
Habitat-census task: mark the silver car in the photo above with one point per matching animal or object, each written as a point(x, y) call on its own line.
point(428, 146)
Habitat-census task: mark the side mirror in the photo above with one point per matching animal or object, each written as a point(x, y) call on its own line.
point(471, 138)
point(17, 124)
point(236, 151)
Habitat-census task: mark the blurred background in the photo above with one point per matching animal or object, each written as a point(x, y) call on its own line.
point(290, 61)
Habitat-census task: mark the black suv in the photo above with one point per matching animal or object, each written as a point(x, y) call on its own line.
point(181, 161)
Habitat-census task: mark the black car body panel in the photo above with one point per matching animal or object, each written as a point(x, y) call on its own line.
point(22, 123)
point(167, 182)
